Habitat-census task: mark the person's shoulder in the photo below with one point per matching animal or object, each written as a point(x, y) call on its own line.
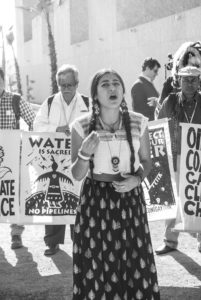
point(138, 122)
point(199, 96)
point(81, 125)
point(8, 94)
point(172, 97)
point(136, 117)
point(83, 120)
point(138, 82)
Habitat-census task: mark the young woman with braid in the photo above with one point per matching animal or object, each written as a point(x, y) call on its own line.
point(112, 252)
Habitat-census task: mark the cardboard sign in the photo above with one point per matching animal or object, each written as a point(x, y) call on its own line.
point(190, 179)
point(49, 194)
point(160, 183)
point(9, 175)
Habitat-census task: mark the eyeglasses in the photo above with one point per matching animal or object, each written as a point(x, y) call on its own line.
point(67, 86)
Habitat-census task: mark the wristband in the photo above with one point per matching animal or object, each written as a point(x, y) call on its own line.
point(83, 157)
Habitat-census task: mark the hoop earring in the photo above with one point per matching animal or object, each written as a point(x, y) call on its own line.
point(124, 105)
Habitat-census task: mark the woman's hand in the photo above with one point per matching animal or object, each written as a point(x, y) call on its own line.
point(90, 144)
point(130, 182)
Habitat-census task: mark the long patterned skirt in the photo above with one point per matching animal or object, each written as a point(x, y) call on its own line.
point(112, 251)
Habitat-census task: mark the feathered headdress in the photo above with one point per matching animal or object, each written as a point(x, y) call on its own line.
point(189, 53)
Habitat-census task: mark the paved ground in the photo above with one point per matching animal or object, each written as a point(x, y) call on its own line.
point(26, 274)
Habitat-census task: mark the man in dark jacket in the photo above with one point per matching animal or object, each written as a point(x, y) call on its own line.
point(144, 94)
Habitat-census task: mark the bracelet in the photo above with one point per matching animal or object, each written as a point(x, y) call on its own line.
point(83, 157)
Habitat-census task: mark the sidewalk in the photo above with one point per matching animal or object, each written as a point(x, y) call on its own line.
point(26, 274)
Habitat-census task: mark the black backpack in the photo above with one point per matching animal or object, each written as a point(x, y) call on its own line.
point(50, 99)
point(16, 108)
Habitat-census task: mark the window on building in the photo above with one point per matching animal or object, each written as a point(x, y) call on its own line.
point(131, 13)
point(79, 25)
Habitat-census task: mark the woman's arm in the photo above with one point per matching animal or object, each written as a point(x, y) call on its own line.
point(81, 151)
point(79, 166)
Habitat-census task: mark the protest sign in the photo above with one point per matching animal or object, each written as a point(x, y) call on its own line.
point(49, 194)
point(160, 183)
point(190, 179)
point(9, 175)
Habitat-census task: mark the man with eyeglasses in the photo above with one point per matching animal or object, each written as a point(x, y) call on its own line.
point(55, 115)
point(184, 106)
point(144, 94)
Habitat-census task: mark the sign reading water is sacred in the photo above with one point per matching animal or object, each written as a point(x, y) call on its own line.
point(9, 175)
point(190, 178)
point(160, 182)
point(48, 192)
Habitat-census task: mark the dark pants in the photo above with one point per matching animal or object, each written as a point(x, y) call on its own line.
point(55, 234)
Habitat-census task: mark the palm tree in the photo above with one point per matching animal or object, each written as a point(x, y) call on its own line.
point(10, 39)
point(3, 61)
point(43, 6)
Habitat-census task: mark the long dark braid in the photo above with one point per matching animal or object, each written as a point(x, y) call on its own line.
point(92, 127)
point(126, 122)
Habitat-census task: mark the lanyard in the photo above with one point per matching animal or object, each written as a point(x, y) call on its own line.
point(186, 116)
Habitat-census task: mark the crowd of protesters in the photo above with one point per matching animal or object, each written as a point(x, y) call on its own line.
point(112, 250)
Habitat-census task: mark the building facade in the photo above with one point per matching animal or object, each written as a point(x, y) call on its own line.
point(94, 34)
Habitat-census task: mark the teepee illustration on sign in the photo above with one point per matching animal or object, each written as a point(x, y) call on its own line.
point(54, 195)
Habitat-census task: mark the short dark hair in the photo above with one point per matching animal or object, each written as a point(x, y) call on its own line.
point(150, 63)
point(2, 74)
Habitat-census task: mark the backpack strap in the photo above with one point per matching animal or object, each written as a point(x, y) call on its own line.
point(86, 101)
point(49, 103)
point(16, 108)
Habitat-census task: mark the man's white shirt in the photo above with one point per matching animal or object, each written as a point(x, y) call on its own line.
point(60, 113)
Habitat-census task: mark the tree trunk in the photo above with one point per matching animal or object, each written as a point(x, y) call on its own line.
point(17, 71)
point(52, 54)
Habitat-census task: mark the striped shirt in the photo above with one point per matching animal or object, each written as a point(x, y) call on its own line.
point(7, 115)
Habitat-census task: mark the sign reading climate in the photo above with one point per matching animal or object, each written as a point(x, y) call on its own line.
point(9, 176)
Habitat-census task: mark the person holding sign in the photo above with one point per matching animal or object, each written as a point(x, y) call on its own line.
point(184, 106)
point(112, 252)
point(55, 115)
point(12, 108)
